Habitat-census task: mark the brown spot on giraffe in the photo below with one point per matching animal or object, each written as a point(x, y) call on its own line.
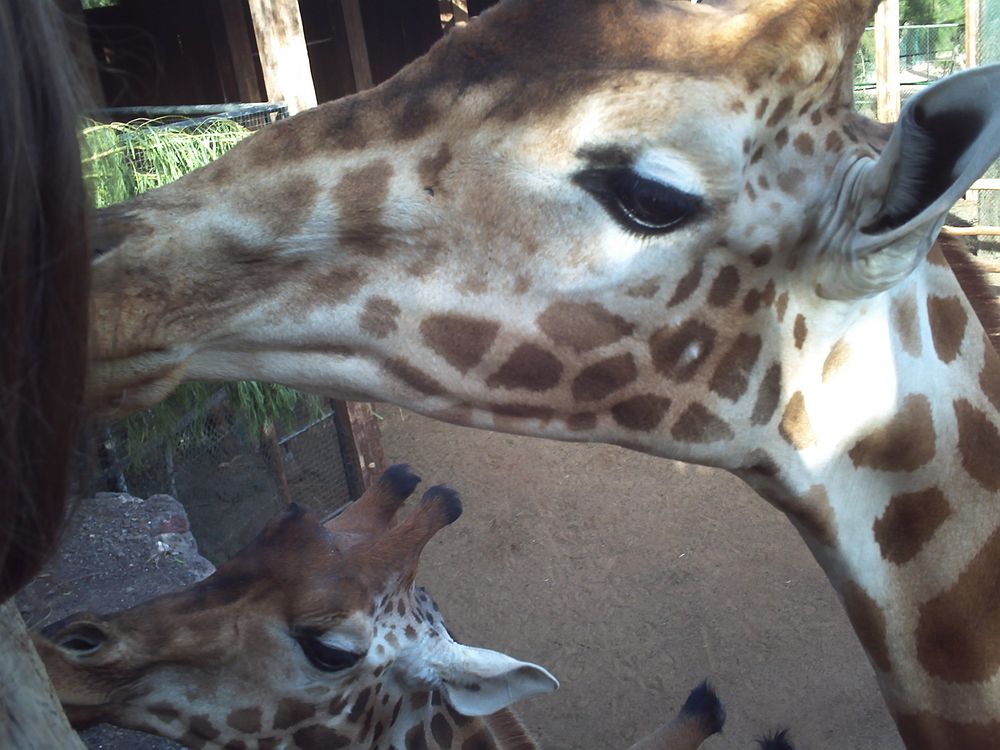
point(909, 522)
point(698, 425)
point(583, 326)
point(836, 359)
point(752, 301)
point(291, 712)
point(948, 321)
point(781, 139)
point(604, 378)
point(360, 704)
point(762, 108)
point(431, 167)
point(732, 375)
point(781, 111)
point(416, 379)
point(418, 113)
point(958, 635)
point(645, 290)
point(907, 325)
point(441, 730)
point(283, 204)
point(751, 193)
point(679, 353)
point(200, 730)
point(768, 396)
point(419, 699)
point(641, 413)
point(378, 318)
point(925, 730)
point(461, 340)
point(868, 620)
point(989, 378)
point(782, 306)
point(318, 737)
point(687, 285)
point(360, 195)
point(795, 427)
point(725, 287)
point(905, 443)
point(757, 155)
point(834, 142)
point(789, 182)
point(804, 144)
point(978, 445)
point(768, 297)
point(529, 368)
point(800, 331)
point(338, 284)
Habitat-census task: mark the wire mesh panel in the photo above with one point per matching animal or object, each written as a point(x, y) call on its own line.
point(989, 52)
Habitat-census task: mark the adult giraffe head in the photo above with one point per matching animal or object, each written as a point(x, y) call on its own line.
point(658, 224)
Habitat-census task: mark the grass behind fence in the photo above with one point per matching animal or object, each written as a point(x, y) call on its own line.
point(121, 160)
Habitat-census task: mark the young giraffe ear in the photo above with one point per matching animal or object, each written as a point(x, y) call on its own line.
point(890, 211)
point(479, 682)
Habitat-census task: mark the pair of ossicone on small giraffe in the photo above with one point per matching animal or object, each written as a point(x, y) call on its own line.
point(315, 637)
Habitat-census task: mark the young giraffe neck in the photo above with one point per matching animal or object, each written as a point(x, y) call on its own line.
point(888, 468)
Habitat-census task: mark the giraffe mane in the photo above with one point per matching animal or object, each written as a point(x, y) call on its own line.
point(509, 730)
point(971, 274)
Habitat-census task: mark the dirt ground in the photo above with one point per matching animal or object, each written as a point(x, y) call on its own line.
point(632, 578)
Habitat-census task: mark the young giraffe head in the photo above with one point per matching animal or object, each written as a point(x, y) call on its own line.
point(311, 637)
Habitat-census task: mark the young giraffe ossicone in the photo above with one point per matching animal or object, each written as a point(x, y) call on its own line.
point(650, 223)
point(314, 637)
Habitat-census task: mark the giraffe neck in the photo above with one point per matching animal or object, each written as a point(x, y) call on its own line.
point(888, 467)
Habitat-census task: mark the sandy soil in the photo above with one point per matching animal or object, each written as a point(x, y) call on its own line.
point(632, 578)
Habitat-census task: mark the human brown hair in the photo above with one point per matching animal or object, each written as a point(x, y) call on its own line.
point(44, 284)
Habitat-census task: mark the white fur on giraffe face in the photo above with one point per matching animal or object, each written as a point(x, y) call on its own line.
point(671, 170)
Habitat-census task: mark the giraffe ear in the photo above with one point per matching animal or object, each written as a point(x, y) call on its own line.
point(479, 682)
point(892, 209)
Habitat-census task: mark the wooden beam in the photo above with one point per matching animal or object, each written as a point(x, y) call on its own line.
point(361, 443)
point(284, 57)
point(972, 10)
point(972, 231)
point(357, 44)
point(887, 102)
point(986, 184)
point(241, 50)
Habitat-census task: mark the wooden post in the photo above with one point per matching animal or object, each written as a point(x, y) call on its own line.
point(241, 50)
point(357, 44)
point(887, 61)
point(284, 58)
point(971, 33)
point(361, 442)
point(275, 456)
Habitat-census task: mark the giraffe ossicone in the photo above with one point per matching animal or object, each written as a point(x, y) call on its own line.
point(656, 224)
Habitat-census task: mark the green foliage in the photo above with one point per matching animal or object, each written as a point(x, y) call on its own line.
point(931, 11)
point(122, 160)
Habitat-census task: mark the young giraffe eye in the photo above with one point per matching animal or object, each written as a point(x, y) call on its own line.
point(326, 658)
point(643, 206)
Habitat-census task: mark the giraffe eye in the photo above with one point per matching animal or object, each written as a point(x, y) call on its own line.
point(640, 205)
point(325, 657)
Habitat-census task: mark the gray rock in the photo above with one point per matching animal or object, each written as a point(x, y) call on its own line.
point(117, 551)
